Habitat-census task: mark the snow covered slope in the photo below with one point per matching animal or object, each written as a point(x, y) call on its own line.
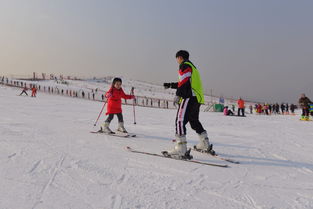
point(48, 159)
point(143, 89)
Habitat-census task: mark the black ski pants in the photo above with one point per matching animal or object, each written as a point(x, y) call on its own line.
point(242, 110)
point(188, 111)
point(111, 116)
point(24, 92)
point(305, 112)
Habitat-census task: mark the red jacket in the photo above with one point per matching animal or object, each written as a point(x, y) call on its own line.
point(114, 97)
point(241, 103)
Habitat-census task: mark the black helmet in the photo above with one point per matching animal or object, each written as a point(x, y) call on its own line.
point(116, 80)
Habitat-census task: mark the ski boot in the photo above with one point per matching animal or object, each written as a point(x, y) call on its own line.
point(204, 144)
point(121, 128)
point(180, 150)
point(105, 128)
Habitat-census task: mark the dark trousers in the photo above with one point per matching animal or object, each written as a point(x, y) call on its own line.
point(305, 112)
point(111, 116)
point(242, 110)
point(229, 112)
point(24, 92)
point(188, 111)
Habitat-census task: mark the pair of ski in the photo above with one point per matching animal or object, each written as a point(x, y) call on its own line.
point(305, 119)
point(165, 155)
point(117, 134)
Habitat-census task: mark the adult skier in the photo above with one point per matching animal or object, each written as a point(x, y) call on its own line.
point(292, 108)
point(189, 96)
point(270, 108)
point(304, 103)
point(283, 108)
point(24, 91)
point(241, 107)
point(287, 108)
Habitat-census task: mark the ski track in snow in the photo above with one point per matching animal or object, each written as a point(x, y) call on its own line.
point(49, 159)
point(50, 181)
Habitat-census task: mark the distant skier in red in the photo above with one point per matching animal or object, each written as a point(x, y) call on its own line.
point(114, 106)
point(24, 91)
point(241, 107)
point(34, 91)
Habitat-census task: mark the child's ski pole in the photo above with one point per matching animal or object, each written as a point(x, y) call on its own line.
point(132, 93)
point(100, 113)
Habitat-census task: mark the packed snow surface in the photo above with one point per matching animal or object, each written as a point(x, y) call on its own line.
point(49, 159)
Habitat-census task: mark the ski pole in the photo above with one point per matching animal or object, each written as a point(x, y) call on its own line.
point(132, 93)
point(100, 113)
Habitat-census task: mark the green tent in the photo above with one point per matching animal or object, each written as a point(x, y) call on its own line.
point(218, 107)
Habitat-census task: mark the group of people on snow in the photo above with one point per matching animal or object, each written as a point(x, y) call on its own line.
point(189, 97)
point(33, 89)
point(268, 109)
point(284, 108)
point(241, 109)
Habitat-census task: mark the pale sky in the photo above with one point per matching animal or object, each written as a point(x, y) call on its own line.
point(260, 50)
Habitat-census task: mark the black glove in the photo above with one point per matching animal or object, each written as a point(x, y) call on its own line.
point(167, 85)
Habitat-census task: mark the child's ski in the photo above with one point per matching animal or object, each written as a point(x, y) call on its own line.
point(191, 161)
point(118, 134)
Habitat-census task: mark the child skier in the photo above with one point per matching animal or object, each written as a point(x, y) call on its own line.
point(114, 106)
point(189, 96)
point(34, 91)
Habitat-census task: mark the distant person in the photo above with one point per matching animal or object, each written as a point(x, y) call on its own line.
point(251, 109)
point(34, 91)
point(24, 91)
point(228, 112)
point(287, 108)
point(270, 108)
point(259, 109)
point(189, 96)
point(304, 103)
point(277, 108)
point(292, 109)
point(265, 108)
point(283, 108)
point(241, 107)
point(114, 106)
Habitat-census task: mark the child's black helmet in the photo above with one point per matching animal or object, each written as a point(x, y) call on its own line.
point(116, 80)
